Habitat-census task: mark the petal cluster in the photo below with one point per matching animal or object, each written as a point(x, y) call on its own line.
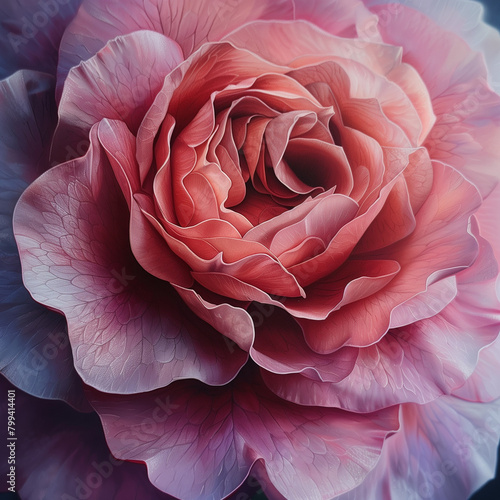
point(264, 236)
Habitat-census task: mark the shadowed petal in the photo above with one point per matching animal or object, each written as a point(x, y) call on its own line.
point(30, 32)
point(62, 454)
point(213, 435)
point(280, 348)
point(129, 331)
point(34, 348)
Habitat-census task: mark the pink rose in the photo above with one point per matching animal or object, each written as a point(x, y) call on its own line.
point(270, 229)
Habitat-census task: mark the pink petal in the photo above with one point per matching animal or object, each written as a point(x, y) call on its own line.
point(307, 219)
point(467, 110)
point(409, 80)
point(213, 435)
point(299, 42)
point(120, 82)
point(482, 385)
point(434, 352)
point(417, 363)
point(445, 449)
point(393, 223)
point(426, 304)
point(487, 219)
point(190, 23)
point(280, 348)
point(286, 43)
point(259, 271)
point(343, 17)
point(353, 281)
point(465, 19)
point(439, 244)
point(150, 250)
point(129, 331)
point(233, 322)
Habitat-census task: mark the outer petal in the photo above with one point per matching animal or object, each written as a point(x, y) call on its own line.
point(418, 364)
point(465, 18)
point(212, 437)
point(467, 128)
point(120, 82)
point(445, 449)
point(34, 347)
point(439, 246)
point(483, 386)
point(487, 218)
point(62, 454)
point(30, 32)
point(189, 22)
point(126, 327)
point(423, 360)
point(342, 17)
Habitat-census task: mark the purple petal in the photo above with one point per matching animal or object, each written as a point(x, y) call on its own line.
point(445, 449)
point(30, 32)
point(34, 347)
point(62, 454)
point(199, 442)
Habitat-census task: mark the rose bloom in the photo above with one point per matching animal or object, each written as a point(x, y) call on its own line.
point(249, 243)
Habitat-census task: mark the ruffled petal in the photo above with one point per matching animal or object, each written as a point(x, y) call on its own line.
point(280, 348)
point(439, 246)
point(129, 331)
point(465, 18)
point(119, 83)
point(423, 360)
point(213, 436)
point(467, 111)
point(445, 449)
point(189, 22)
point(481, 386)
point(150, 250)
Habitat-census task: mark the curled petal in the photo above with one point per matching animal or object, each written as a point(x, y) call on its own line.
point(440, 246)
point(119, 83)
point(129, 331)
